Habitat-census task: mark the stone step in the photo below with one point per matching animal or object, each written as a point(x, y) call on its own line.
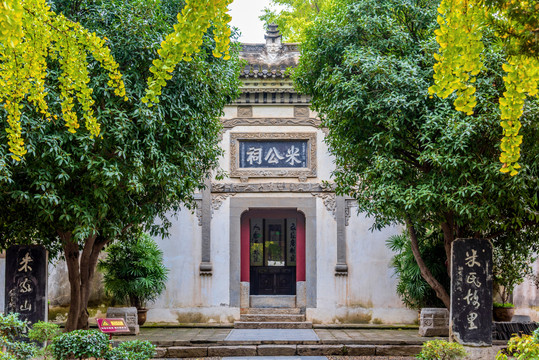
point(272, 301)
point(272, 317)
point(280, 350)
point(270, 310)
point(272, 325)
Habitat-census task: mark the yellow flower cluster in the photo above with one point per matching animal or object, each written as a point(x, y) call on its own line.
point(11, 13)
point(512, 105)
point(462, 23)
point(186, 39)
point(41, 33)
point(459, 61)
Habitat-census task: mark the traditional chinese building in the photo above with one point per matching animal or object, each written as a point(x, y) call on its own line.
point(274, 233)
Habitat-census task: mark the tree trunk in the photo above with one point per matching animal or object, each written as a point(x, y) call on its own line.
point(71, 252)
point(447, 229)
point(425, 272)
point(81, 269)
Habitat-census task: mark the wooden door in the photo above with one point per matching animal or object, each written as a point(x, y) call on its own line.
point(273, 256)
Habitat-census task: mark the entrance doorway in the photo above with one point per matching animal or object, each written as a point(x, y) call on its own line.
point(273, 251)
point(273, 256)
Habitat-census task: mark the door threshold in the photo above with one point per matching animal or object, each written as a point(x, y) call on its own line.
point(275, 301)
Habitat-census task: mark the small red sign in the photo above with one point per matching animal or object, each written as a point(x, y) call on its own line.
point(109, 326)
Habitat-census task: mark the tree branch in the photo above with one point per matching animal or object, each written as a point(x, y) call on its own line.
point(425, 272)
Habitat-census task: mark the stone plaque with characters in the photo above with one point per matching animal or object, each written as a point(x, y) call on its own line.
point(26, 282)
point(471, 292)
point(277, 155)
point(273, 154)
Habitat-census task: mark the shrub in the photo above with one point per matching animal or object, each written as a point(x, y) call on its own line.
point(12, 330)
point(11, 327)
point(525, 347)
point(441, 350)
point(132, 350)
point(80, 344)
point(6, 356)
point(43, 333)
point(21, 350)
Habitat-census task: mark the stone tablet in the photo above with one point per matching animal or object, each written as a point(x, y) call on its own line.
point(471, 292)
point(26, 282)
point(129, 314)
point(434, 322)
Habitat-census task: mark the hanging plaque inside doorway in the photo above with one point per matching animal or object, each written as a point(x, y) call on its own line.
point(291, 229)
point(256, 242)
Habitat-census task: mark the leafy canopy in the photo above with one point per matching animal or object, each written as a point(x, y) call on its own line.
point(295, 17)
point(30, 33)
point(367, 66)
point(147, 161)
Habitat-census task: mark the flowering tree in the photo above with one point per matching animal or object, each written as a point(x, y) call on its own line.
point(75, 193)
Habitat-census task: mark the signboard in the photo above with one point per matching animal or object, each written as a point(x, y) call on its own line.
point(113, 325)
point(273, 154)
point(26, 282)
point(471, 292)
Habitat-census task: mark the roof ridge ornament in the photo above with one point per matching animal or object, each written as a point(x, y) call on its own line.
point(273, 41)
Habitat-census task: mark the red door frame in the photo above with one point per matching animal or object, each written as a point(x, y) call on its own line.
point(272, 214)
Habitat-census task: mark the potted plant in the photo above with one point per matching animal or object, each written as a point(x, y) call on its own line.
point(512, 262)
point(503, 311)
point(134, 272)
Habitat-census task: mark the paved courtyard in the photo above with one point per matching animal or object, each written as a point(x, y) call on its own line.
point(169, 336)
point(357, 343)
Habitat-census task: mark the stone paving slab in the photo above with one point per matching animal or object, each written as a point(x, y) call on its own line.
point(276, 350)
point(372, 336)
point(232, 351)
point(245, 335)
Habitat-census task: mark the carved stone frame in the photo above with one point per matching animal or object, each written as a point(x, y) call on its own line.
point(309, 171)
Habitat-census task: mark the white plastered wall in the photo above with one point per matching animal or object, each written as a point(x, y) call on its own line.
point(526, 296)
point(189, 297)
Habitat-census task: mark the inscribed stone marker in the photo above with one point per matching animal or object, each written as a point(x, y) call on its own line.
point(26, 282)
point(471, 292)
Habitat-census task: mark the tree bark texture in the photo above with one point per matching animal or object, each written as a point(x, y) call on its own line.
point(425, 272)
point(447, 229)
point(81, 269)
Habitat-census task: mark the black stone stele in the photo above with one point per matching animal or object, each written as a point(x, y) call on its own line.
point(273, 154)
point(26, 282)
point(471, 292)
